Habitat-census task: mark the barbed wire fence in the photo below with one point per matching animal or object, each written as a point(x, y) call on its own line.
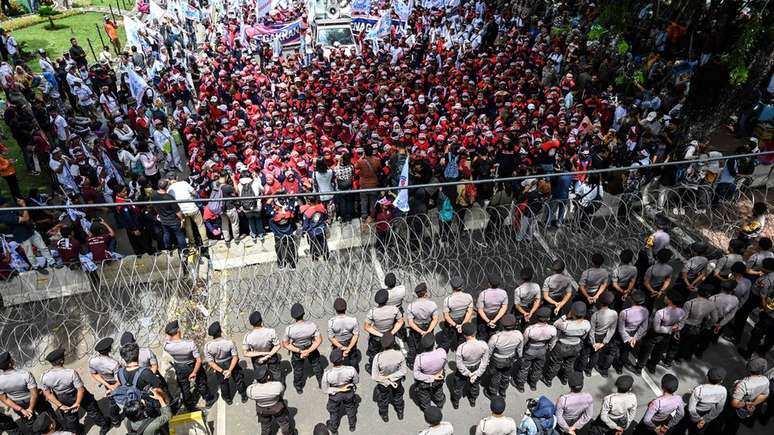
point(73, 309)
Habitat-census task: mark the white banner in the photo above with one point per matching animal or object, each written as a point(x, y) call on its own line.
point(262, 8)
point(137, 85)
point(403, 9)
point(401, 202)
point(382, 27)
point(132, 28)
point(155, 11)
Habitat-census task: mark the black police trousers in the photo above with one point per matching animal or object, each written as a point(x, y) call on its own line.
point(273, 366)
point(268, 416)
point(449, 338)
point(70, 421)
point(694, 340)
point(353, 358)
point(531, 368)
point(299, 381)
point(429, 393)
point(561, 361)
point(656, 347)
point(387, 395)
point(462, 383)
point(23, 425)
point(340, 404)
point(200, 388)
point(374, 347)
point(414, 344)
point(600, 359)
point(764, 327)
point(500, 370)
point(230, 386)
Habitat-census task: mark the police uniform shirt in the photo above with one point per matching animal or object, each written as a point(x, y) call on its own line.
point(724, 264)
point(593, 279)
point(147, 358)
point(16, 384)
point(182, 351)
point(106, 367)
point(496, 426)
point(219, 350)
point(301, 334)
point(658, 274)
point(743, 289)
point(443, 428)
point(504, 345)
point(472, 357)
point(388, 367)
point(755, 262)
point(726, 306)
point(525, 294)
point(539, 335)
point(706, 401)
point(668, 317)
point(664, 410)
point(603, 325)
point(383, 318)
point(699, 312)
point(694, 266)
point(265, 394)
point(618, 410)
point(260, 340)
point(557, 285)
point(343, 328)
point(747, 389)
point(428, 364)
point(336, 377)
point(624, 274)
point(764, 285)
point(396, 295)
point(61, 381)
point(491, 299)
point(633, 322)
point(457, 304)
point(421, 311)
point(658, 241)
point(574, 410)
point(571, 332)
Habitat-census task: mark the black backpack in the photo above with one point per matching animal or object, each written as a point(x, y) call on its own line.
point(248, 204)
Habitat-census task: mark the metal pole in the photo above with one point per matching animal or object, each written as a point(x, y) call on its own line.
point(99, 34)
point(111, 12)
point(118, 6)
point(92, 49)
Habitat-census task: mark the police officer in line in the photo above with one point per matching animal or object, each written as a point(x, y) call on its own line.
point(222, 357)
point(505, 349)
point(593, 281)
point(706, 405)
point(303, 339)
point(339, 383)
point(104, 369)
point(726, 305)
point(422, 315)
point(748, 396)
point(696, 335)
point(662, 340)
point(665, 411)
point(492, 304)
point(262, 346)
point(624, 278)
point(472, 361)
point(396, 293)
point(146, 358)
point(763, 285)
point(344, 333)
point(574, 410)
point(187, 363)
point(66, 394)
point(763, 292)
point(436, 426)
point(381, 319)
point(389, 371)
point(618, 409)
point(497, 423)
point(429, 374)
point(632, 327)
point(694, 270)
point(538, 340)
point(658, 277)
point(526, 298)
point(754, 262)
point(557, 290)
point(269, 404)
point(572, 330)
point(19, 392)
point(457, 310)
point(597, 351)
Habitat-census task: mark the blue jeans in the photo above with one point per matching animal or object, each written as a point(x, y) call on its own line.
point(175, 230)
point(255, 222)
point(557, 209)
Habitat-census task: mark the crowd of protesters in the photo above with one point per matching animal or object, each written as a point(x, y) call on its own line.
point(479, 91)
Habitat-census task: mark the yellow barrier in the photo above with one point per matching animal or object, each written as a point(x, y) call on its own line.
point(192, 423)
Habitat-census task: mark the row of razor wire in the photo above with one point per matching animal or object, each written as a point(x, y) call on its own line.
point(142, 294)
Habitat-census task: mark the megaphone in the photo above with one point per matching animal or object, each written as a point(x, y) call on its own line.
point(333, 11)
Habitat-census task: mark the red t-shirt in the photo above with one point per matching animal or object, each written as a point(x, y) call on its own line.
point(68, 250)
point(98, 247)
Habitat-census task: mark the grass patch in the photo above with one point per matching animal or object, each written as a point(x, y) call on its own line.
point(26, 181)
point(124, 4)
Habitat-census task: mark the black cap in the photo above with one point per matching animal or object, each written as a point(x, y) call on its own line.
point(260, 372)
point(42, 423)
point(336, 356)
point(607, 298)
point(172, 327)
point(5, 360)
point(508, 321)
point(638, 297)
point(699, 247)
point(388, 340)
point(420, 288)
point(675, 296)
point(624, 383)
point(126, 338)
point(381, 297)
point(497, 405)
point(768, 264)
point(297, 311)
point(255, 318)
point(320, 429)
point(428, 342)
point(575, 379)
point(543, 313)
point(669, 382)
point(456, 282)
point(389, 280)
point(578, 308)
point(716, 374)
point(214, 330)
point(469, 329)
point(557, 266)
point(433, 415)
point(104, 345)
point(56, 355)
point(339, 305)
point(728, 284)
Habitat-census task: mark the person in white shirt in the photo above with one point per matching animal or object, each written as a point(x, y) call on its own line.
point(44, 62)
point(61, 126)
point(166, 144)
point(86, 99)
point(109, 103)
point(192, 216)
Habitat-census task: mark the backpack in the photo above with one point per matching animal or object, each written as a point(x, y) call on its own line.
point(452, 169)
point(248, 204)
point(127, 392)
point(216, 207)
point(446, 212)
